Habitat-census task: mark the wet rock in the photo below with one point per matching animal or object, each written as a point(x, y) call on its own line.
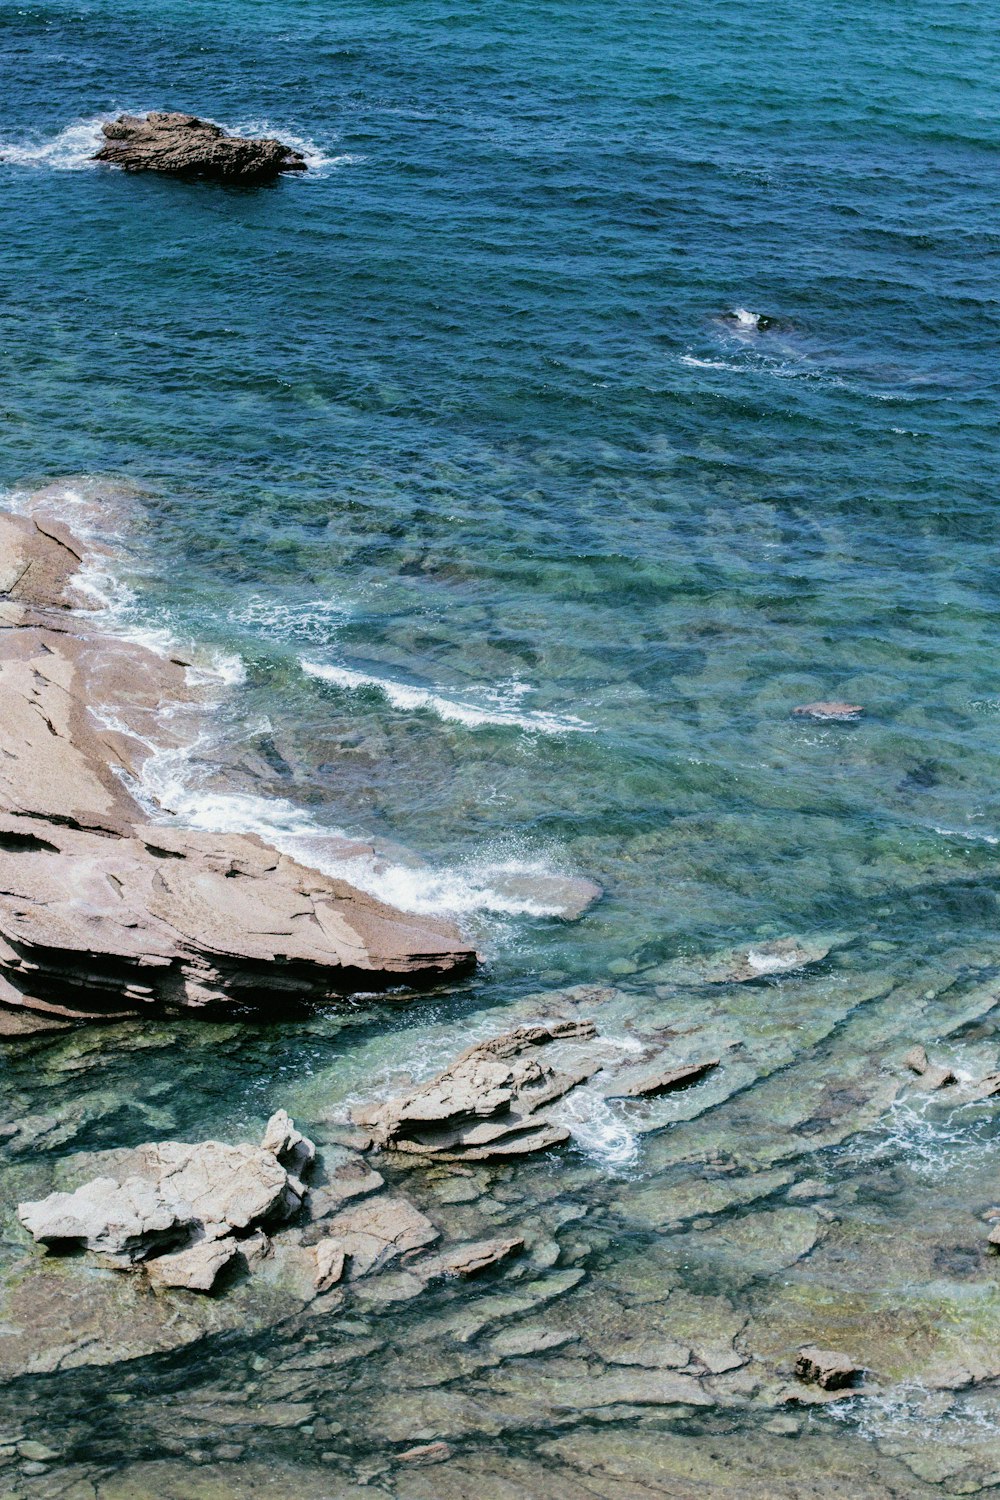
point(103, 915)
point(744, 965)
point(160, 1195)
point(379, 1230)
point(649, 1085)
point(932, 1076)
point(988, 1087)
point(181, 145)
point(195, 1268)
point(834, 712)
point(464, 1261)
point(425, 1453)
point(826, 1368)
point(487, 1103)
point(330, 1261)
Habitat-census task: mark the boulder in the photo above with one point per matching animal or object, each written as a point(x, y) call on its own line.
point(376, 1232)
point(181, 145)
point(826, 1368)
point(162, 1195)
point(294, 1151)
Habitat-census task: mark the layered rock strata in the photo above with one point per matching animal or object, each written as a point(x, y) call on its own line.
point(103, 914)
point(180, 145)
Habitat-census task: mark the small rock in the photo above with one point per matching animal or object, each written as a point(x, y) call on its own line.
point(294, 1151)
point(916, 1060)
point(329, 1264)
point(468, 1260)
point(425, 1453)
point(195, 1268)
point(994, 1238)
point(38, 1452)
point(826, 1368)
point(830, 712)
point(782, 1427)
point(936, 1077)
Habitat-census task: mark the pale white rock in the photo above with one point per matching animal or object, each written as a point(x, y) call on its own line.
point(196, 1267)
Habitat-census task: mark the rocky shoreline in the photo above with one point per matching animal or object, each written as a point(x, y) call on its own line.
point(104, 914)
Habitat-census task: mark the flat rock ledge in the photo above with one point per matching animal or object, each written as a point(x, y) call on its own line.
point(180, 145)
point(103, 914)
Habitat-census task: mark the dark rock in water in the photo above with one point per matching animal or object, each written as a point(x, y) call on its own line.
point(843, 713)
point(827, 1369)
point(921, 779)
point(183, 146)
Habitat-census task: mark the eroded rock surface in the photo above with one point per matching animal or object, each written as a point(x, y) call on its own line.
point(181, 145)
point(103, 914)
point(490, 1102)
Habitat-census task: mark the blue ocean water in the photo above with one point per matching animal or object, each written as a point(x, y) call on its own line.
point(463, 411)
point(617, 379)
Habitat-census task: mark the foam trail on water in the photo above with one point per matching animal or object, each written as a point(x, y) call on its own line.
point(71, 150)
point(500, 705)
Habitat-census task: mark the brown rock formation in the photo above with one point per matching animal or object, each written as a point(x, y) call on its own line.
point(183, 146)
point(487, 1103)
point(103, 914)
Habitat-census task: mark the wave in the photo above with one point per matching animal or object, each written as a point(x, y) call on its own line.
point(172, 786)
point(71, 150)
point(498, 706)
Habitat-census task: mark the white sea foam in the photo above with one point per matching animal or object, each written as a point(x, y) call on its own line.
point(929, 1141)
point(497, 705)
point(71, 150)
point(745, 319)
point(173, 785)
point(708, 364)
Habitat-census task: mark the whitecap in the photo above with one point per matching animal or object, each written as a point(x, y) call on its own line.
point(497, 705)
point(70, 151)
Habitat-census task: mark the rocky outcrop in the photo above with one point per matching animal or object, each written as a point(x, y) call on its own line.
point(103, 914)
point(489, 1103)
point(165, 1194)
point(181, 145)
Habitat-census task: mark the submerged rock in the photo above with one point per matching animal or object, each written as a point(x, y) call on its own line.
point(830, 712)
point(183, 146)
point(649, 1085)
point(746, 964)
point(103, 915)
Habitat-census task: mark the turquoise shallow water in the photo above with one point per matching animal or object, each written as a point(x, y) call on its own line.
point(466, 422)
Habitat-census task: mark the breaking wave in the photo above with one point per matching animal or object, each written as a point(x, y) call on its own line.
point(496, 706)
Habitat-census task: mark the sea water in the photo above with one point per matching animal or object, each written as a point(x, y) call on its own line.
point(616, 380)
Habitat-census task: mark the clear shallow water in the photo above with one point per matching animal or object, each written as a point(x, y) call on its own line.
point(527, 549)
